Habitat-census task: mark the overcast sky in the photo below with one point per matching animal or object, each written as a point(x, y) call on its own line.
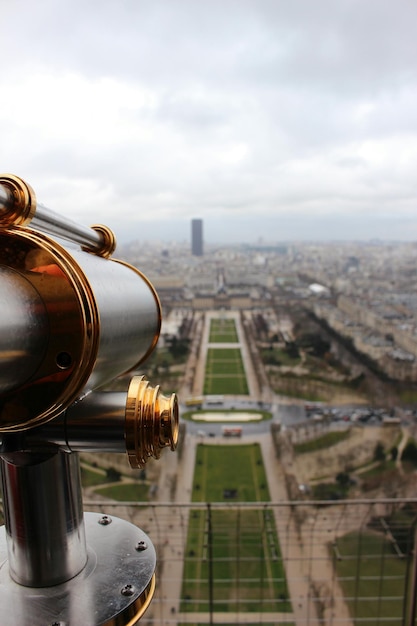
point(272, 119)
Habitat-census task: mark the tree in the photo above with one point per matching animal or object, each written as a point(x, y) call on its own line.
point(410, 452)
point(343, 479)
point(379, 452)
point(113, 474)
point(394, 453)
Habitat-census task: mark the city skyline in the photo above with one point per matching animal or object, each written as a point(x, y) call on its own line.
point(277, 229)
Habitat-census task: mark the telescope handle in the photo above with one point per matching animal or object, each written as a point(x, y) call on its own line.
point(18, 207)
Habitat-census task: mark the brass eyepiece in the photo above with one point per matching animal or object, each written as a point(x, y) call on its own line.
point(151, 422)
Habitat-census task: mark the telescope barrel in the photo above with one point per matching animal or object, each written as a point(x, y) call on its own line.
point(141, 422)
point(77, 320)
point(23, 329)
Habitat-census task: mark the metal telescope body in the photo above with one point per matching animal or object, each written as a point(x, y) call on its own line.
point(72, 319)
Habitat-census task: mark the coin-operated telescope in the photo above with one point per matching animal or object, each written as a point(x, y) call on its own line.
point(72, 319)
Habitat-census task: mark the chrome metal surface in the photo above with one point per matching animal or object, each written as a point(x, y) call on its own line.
point(129, 315)
point(103, 317)
point(95, 596)
point(141, 422)
point(18, 206)
point(6, 199)
point(71, 320)
point(70, 350)
point(43, 517)
point(24, 331)
point(96, 424)
point(55, 224)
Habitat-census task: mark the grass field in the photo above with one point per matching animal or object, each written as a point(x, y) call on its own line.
point(223, 331)
point(224, 373)
point(322, 442)
point(236, 550)
point(129, 492)
point(229, 467)
point(92, 477)
point(373, 578)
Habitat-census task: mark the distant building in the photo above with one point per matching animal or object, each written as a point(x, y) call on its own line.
point(197, 237)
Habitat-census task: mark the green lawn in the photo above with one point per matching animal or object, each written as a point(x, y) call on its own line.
point(223, 331)
point(236, 549)
point(373, 578)
point(129, 492)
point(324, 441)
point(225, 373)
point(92, 477)
point(229, 467)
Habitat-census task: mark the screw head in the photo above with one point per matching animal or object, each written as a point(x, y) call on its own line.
point(127, 590)
point(105, 520)
point(141, 546)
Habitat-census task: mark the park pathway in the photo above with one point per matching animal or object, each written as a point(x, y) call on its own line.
point(298, 565)
point(198, 383)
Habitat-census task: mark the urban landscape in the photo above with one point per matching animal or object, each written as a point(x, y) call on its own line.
point(208, 345)
point(291, 496)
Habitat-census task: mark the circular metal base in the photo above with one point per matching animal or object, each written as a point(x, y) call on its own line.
point(114, 588)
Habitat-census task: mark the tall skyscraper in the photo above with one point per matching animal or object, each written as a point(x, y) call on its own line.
point(197, 237)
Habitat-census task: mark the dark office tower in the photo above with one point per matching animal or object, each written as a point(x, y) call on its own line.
point(197, 237)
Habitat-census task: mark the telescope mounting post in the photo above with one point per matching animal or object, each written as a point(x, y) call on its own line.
point(73, 319)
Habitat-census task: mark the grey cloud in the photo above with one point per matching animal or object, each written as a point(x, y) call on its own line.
point(263, 106)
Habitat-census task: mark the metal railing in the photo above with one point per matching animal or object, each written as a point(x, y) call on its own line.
point(301, 563)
